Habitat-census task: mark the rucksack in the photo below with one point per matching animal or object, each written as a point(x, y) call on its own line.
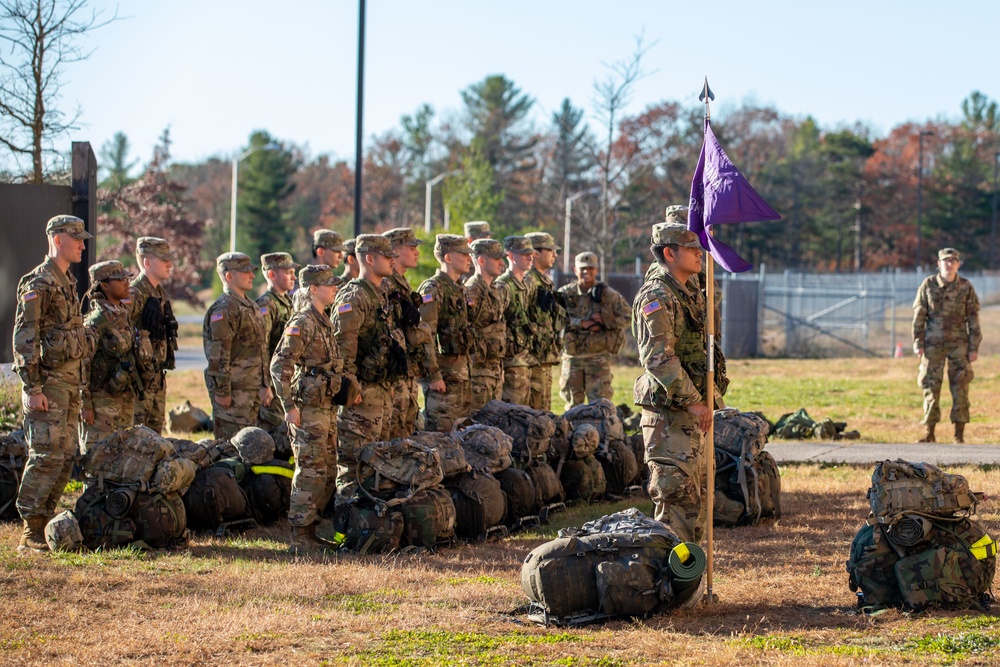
point(428, 518)
point(486, 447)
point(216, 501)
point(99, 528)
point(520, 492)
point(747, 479)
point(203, 453)
point(269, 489)
point(13, 456)
point(173, 475)
point(366, 530)
point(548, 488)
point(739, 432)
point(620, 467)
point(160, 519)
point(530, 430)
point(796, 425)
point(901, 486)
point(583, 479)
point(127, 456)
point(480, 504)
point(186, 418)
point(399, 468)
point(601, 414)
point(449, 449)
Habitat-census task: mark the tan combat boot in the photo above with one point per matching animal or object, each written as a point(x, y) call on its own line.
point(304, 541)
point(33, 535)
point(959, 433)
point(928, 434)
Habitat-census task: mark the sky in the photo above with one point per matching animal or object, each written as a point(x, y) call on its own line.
point(216, 70)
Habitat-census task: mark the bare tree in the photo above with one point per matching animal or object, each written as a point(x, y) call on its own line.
point(38, 38)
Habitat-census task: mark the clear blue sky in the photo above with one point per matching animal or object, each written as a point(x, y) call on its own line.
point(216, 70)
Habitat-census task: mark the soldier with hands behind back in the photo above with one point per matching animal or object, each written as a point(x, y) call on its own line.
point(521, 331)
point(276, 308)
point(549, 315)
point(487, 302)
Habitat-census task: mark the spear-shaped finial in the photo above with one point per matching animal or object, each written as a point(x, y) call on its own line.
point(706, 96)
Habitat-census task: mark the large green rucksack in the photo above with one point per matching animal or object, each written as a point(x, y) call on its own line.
point(486, 447)
point(368, 530)
point(900, 486)
point(583, 479)
point(217, 502)
point(747, 479)
point(13, 456)
point(530, 430)
point(160, 519)
point(127, 456)
point(428, 518)
point(480, 505)
point(390, 472)
point(522, 503)
point(268, 487)
point(449, 450)
point(104, 517)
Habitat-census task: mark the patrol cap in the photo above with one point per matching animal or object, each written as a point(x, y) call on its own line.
point(329, 239)
point(542, 241)
point(945, 253)
point(367, 243)
point(402, 236)
point(676, 214)
point(488, 248)
point(278, 260)
point(478, 230)
point(317, 274)
point(112, 270)
point(445, 243)
point(674, 233)
point(586, 260)
point(67, 224)
point(235, 261)
point(520, 245)
point(349, 246)
point(152, 245)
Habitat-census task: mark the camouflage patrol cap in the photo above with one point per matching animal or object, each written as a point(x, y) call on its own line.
point(586, 260)
point(445, 243)
point(674, 233)
point(368, 243)
point(402, 236)
point(488, 248)
point(152, 245)
point(112, 270)
point(235, 261)
point(946, 253)
point(349, 246)
point(317, 274)
point(329, 239)
point(519, 245)
point(278, 260)
point(542, 241)
point(676, 214)
point(478, 230)
point(67, 224)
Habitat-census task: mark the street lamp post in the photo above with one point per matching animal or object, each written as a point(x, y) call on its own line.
point(993, 218)
point(236, 165)
point(427, 199)
point(920, 191)
point(568, 226)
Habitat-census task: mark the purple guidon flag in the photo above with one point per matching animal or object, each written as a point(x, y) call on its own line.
point(721, 195)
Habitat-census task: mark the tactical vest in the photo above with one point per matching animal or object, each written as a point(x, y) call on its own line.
point(488, 329)
point(548, 312)
point(380, 357)
point(453, 336)
point(112, 368)
point(520, 327)
point(690, 345)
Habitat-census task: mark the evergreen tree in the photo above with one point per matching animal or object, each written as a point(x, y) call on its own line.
point(265, 181)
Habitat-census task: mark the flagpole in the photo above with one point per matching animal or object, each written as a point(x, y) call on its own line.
point(707, 96)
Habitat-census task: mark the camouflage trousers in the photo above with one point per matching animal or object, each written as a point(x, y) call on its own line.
point(675, 456)
point(152, 412)
point(931, 377)
point(242, 412)
point(516, 384)
point(540, 391)
point(314, 445)
point(442, 409)
point(585, 379)
point(360, 425)
point(271, 418)
point(405, 406)
point(485, 384)
point(52, 449)
point(110, 414)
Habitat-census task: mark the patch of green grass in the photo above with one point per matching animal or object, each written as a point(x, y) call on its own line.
point(74, 486)
point(967, 622)
point(380, 601)
point(100, 558)
point(481, 579)
point(958, 646)
point(782, 643)
point(419, 648)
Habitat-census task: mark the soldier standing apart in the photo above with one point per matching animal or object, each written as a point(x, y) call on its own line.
point(327, 250)
point(307, 372)
point(474, 231)
point(445, 310)
point(276, 308)
point(596, 319)
point(419, 351)
point(373, 351)
point(350, 262)
point(550, 318)
point(668, 322)
point(238, 376)
point(153, 316)
point(50, 344)
point(112, 377)
point(946, 329)
point(487, 302)
point(520, 329)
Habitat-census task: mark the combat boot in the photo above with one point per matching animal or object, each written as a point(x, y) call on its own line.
point(959, 433)
point(33, 535)
point(304, 541)
point(928, 434)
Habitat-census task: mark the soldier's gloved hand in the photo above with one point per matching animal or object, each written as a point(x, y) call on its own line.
point(438, 386)
point(704, 415)
point(266, 395)
point(38, 403)
point(293, 417)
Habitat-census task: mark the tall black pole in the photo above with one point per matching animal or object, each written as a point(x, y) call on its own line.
point(361, 103)
point(920, 198)
point(993, 218)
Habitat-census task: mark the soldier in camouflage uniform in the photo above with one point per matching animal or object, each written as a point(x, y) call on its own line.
point(521, 330)
point(350, 262)
point(111, 375)
point(419, 341)
point(445, 310)
point(486, 305)
point(373, 350)
point(327, 250)
point(596, 319)
point(153, 316)
point(549, 310)
point(235, 340)
point(474, 231)
point(668, 323)
point(307, 372)
point(50, 344)
point(946, 330)
point(276, 308)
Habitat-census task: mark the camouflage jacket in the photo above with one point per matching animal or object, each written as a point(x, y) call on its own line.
point(112, 367)
point(549, 314)
point(142, 291)
point(521, 331)
point(372, 347)
point(599, 339)
point(486, 306)
point(276, 310)
point(444, 308)
point(306, 368)
point(49, 337)
point(419, 338)
point(946, 314)
point(235, 345)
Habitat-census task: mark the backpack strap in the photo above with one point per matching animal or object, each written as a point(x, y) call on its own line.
point(272, 470)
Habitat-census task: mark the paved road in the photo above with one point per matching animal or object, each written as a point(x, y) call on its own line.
point(870, 454)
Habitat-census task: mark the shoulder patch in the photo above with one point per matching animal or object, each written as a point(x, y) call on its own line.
point(30, 296)
point(263, 310)
point(217, 316)
point(344, 308)
point(651, 308)
point(291, 331)
point(427, 298)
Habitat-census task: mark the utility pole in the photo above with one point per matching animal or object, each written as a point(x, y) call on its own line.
point(358, 161)
point(920, 193)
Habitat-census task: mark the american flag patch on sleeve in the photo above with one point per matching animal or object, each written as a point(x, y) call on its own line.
point(291, 331)
point(263, 310)
point(217, 316)
point(344, 308)
point(427, 298)
point(651, 308)
point(30, 296)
